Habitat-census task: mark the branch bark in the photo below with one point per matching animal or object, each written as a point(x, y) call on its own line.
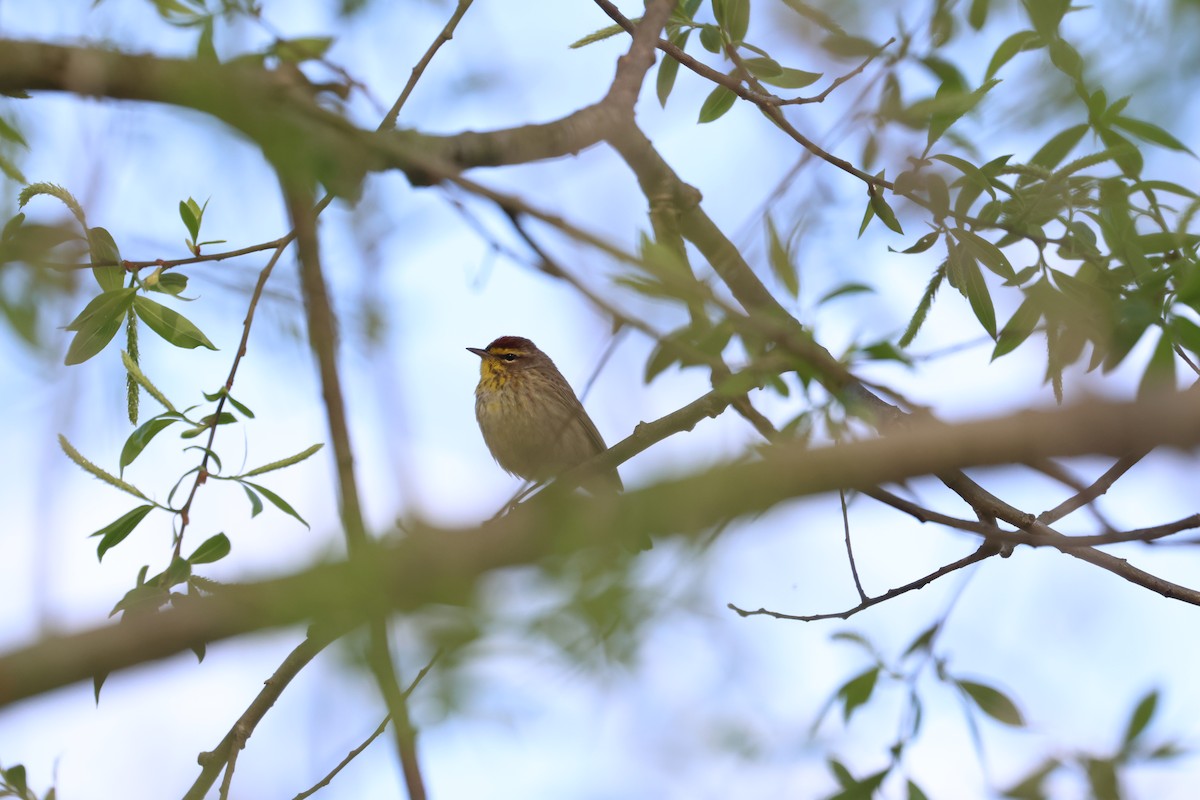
point(441, 566)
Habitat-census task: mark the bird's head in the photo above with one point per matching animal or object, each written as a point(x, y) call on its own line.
point(507, 356)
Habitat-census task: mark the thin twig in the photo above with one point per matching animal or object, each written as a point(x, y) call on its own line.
point(849, 549)
point(977, 556)
point(375, 735)
point(1098, 487)
point(213, 761)
point(202, 473)
point(447, 33)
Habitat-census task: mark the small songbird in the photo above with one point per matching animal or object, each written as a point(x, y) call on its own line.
point(532, 422)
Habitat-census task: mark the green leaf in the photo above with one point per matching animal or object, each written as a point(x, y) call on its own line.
point(781, 263)
point(976, 290)
point(304, 48)
point(924, 640)
point(977, 14)
point(857, 691)
point(762, 67)
point(103, 250)
point(115, 532)
point(256, 505)
point(993, 702)
point(1018, 328)
point(190, 220)
point(1143, 713)
point(710, 39)
point(1160, 371)
point(716, 104)
point(1052, 153)
point(11, 134)
point(954, 103)
point(914, 791)
point(843, 290)
point(849, 46)
point(213, 549)
point(789, 78)
point(665, 82)
point(104, 306)
point(276, 501)
point(1127, 156)
point(921, 245)
point(172, 283)
point(985, 252)
point(284, 462)
point(1151, 133)
point(883, 210)
point(245, 410)
point(1019, 42)
point(170, 325)
point(97, 324)
point(11, 170)
point(1046, 14)
point(15, 776)
point(1067, 59)
point(138, 440)
point(1030, 787)
point(733, 16)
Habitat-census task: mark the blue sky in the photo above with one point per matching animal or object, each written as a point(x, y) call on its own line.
point(711, 705)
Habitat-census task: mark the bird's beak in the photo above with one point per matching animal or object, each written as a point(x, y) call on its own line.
point(479, 351)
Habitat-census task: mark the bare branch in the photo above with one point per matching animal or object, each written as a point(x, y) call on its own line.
point(920, 583)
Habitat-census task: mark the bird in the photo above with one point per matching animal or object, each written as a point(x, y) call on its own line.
point(532, 422)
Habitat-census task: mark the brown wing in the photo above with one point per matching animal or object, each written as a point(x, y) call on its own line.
point(567, 397)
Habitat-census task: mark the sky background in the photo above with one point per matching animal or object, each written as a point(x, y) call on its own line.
point(709, 704)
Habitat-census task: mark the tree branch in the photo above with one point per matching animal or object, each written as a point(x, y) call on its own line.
point(441, 566)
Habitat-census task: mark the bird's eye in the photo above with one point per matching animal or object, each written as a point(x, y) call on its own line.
point(510, 356)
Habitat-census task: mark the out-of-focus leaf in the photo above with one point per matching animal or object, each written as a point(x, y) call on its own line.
point(1017, 43)
point(1018, 328)
point(882, 210)
point(993, 702)
point(212, 549)
point(1142, 714)
point(857, 691)
point(921, 245)
point(1151, 133)
point(1030, 787)
point(1160, 371)
point(978, 295)
point(1045, 15)
point(781, 263)
point(789, 78)
point(733, 16)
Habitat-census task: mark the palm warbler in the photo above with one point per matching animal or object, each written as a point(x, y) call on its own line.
point(533, 424)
